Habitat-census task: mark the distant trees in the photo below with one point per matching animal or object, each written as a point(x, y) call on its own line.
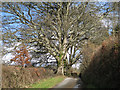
point(112, 19)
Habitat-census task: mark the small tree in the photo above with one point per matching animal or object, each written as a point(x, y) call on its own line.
point(22, 56)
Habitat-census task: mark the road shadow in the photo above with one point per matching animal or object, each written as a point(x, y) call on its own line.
point(79, 83)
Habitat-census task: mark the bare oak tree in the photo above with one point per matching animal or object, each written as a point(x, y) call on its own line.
point(59, 27)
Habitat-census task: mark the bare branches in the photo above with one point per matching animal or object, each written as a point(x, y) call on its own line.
point(57, 26)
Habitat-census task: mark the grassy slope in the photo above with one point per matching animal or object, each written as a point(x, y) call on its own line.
point(48, 83)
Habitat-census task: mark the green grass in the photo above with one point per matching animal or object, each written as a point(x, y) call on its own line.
point(48, 83)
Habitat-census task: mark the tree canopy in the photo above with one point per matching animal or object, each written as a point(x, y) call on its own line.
point(59, 28)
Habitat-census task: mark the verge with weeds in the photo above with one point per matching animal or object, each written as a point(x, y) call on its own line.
point(48, 83)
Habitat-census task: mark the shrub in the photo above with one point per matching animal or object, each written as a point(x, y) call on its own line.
point(22, 57)
point(17, 77)
point(103, 66)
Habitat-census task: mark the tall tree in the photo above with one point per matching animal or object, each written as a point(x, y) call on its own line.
point(58, 26)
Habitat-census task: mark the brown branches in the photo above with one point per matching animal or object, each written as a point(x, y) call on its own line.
point(22, 57)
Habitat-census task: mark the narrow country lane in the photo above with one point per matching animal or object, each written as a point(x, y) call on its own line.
point(69, 83)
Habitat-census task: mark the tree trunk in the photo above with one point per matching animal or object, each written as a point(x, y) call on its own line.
point(60, 70)
point(68, 70)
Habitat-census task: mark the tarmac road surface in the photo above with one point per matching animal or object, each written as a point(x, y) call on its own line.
point(69, 83)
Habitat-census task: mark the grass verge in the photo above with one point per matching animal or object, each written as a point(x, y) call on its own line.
point(48, 83)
